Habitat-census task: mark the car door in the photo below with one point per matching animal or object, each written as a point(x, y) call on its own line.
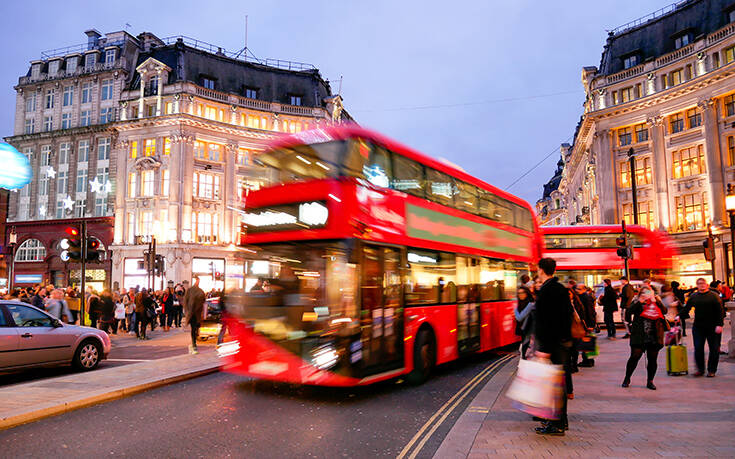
point(39, 340)
point(8, 341)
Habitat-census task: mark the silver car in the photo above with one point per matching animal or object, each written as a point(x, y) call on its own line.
point(31, 337)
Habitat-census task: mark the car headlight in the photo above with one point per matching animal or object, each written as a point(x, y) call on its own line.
point(324, 357)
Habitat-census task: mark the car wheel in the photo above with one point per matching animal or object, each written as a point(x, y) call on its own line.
point(88, 355)
point(424, 357)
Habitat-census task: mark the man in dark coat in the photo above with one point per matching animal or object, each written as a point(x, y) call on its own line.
point(553, 332)
point(609, 301)
point(589, 318)
point(626, 298)
point(708, 322)
point(194, 305)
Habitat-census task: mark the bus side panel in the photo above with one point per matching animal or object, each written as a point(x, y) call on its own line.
point(443, 321)
point(505, 323)
point(486, 320)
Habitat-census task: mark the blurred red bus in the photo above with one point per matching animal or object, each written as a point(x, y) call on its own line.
point(589, 253)
point(372, 261)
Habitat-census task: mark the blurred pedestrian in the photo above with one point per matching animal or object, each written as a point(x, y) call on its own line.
point(94, 306)
point(142, 301)
point(107, 313)
point(58, 308)
point(553, 333)
point(179, 292)
point(119, 312)
point(609, 302)
point(194, 305)
point(708, 323)
point(524, 318)
point(589, 318)
point(167, 303)
point(683, 314)
point(626, 298)
point(647, 334)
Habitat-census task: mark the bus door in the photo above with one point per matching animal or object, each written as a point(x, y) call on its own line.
point(381, 314)
point(468, 306)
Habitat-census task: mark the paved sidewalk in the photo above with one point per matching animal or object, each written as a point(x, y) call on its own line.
point(31, 401)
point(685, 417)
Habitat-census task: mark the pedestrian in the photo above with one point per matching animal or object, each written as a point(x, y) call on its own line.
point(524, 318)
point(553, 333)
point(589, 318)
point(683, 315)
point(194, 304)
point(707, 327)
point(647, 334)
point(574, 351)
point(107, 321)
point(141, 315)
point(119, 312)
point(39, 298)
point(167, 303)
point(609, 302)
point(94, 308)
point(58, 308)
point(179, 292)
point(626, 298)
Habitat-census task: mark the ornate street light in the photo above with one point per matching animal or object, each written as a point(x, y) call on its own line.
point(730, 206)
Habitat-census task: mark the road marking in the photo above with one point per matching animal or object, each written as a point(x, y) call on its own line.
point(127, 360)
point(449, 406)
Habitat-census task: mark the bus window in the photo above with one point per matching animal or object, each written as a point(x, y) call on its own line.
point(440, 187)
point(468, 279)
point(523, 218)
point(378, 170)
point(408, 176)
point(466, 198)
point(492, 280)
point(431, 278)
point(304, 162)
point(356, 157)
point(496, 209)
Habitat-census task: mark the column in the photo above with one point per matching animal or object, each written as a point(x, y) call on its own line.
point(141, 101)
point(606, 183)
point(230, 192)
point(661, 171)
point(186, 171)
point(121, 189)
point(714, 162)
point(159, 92)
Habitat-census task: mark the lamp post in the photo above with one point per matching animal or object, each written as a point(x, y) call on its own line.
point(12, 242)
point(730, 206)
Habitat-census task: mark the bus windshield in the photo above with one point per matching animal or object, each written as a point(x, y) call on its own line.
point(305, 162)
point(295, 290)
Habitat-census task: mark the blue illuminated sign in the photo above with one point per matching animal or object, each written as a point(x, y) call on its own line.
point(16, 170)
point(28, 278)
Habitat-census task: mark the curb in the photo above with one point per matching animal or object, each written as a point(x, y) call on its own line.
point(461, 437)
point(103, 396)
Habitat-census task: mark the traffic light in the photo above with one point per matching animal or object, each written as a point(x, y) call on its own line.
point(158, 266)
point(624, 251)
point(218, 276)
point(93, 246)
point(71, 245)
point(709, 248)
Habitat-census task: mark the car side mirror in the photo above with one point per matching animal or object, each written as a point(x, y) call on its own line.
point(56, 323)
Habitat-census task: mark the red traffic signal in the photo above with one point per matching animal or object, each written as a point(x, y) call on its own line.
point(71, 231)
point(93, 245)
point(72, 245)
point(620, 241)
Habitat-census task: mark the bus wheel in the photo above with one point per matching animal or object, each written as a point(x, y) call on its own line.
point(424, 357)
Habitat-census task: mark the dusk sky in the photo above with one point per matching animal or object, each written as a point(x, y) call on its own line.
point(491, 86)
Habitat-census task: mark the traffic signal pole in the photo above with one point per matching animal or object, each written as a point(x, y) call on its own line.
point(83, 261)
point(631, 159)
point(625, 237)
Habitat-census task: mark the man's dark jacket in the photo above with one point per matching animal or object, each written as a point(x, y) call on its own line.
point(708, 311)
point(590, 315)
point(553, 316)
point(626, 296)
point(609, 300)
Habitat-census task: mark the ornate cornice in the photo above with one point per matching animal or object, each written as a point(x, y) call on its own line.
point(655, 120)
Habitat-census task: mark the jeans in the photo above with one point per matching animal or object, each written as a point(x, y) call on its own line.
point(131, 321)
point(560, 356)
point(609, 324)
point(194, 332)
point(701, 335)
point(178, 315)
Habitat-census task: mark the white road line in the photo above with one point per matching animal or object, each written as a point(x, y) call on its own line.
point(127, 360)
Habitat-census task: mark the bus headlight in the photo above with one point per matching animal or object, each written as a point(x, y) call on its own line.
point(228, 348)
point(324, 357)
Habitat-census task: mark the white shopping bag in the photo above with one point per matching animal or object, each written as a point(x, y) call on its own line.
point(537, 388)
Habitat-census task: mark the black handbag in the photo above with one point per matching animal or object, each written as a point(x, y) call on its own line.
point(587, 343)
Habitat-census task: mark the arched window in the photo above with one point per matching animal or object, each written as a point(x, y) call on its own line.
point(31, 250)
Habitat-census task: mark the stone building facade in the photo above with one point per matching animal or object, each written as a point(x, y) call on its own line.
point(665, 93)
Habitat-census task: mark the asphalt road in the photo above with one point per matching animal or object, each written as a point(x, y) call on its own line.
point(126, 349)
point(224, 415)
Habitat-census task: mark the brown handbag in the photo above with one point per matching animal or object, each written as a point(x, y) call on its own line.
point(578, 329)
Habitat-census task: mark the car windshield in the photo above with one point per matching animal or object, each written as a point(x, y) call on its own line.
point(295, 290)
point(305, 162)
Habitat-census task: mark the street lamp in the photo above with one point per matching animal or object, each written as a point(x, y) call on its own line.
point(730, 206)
point(12, 241)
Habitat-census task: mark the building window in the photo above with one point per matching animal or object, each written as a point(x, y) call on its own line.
point(169, 108)
point(66, 121)
point(166, 146)
point(107, 115)
point(133, 149)
point(630, 61)
point(645, 214)
point(131, 227)
point(46, 155)
point(731, 151)
point(60, 210)
point(730, 105)
point(83, 151)
point(147, 180)
point(109, 56)
point(689, 161)
point(624, 136)
point(30, 126)
point(106, 89)
point(64, 149)
point(208, 83)
point(90, 60)
point(68, 96)
point(61, 182)
point(691, 211)
point(86, 118)
point(643, 175)
point(164, 182)
point(242, 157)
point(100, 207)
point(79, 207)
point(206, 186)
point(153, 85)
point(50, 93)
point(103, 174)
point(31, 103)
point(149, 147)
point(30, 250)
point(82, 181)
point(295, 100)
point(729, 54)
point(210, 113)
point(694, 118)
point(641, 133)
point(251, 93)
point(53, 67)
point(208, 151)
point(48, 123)
point(677, 77)
point(103, 148)
point(43, 186)
point(132, 184)
point(682, 41)
point(214, 152)
point(146, 223)
point(676, 123)
point(206, 227)
point(86, 93)
point(626, 94)
point(71, 65)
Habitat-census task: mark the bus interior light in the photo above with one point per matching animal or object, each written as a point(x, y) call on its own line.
point(303, 160)
point(326, 168)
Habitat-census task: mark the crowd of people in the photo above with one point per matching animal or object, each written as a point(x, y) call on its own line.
point(553, 318)
point(132, 311)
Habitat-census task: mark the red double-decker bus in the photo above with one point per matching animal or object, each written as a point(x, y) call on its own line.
point(370, 261)
point(589, 253)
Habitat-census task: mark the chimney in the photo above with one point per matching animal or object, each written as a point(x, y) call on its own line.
point(93, 37)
